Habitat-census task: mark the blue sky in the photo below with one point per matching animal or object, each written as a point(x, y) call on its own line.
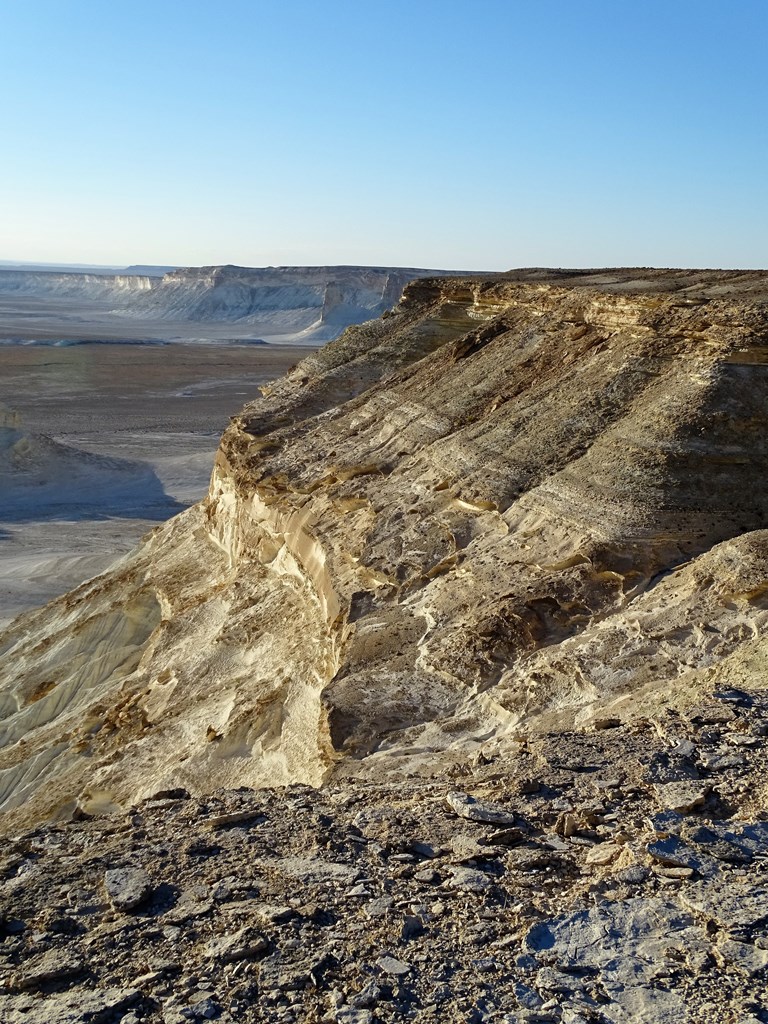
point(433, 133)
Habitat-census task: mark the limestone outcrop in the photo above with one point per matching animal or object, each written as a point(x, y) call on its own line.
point(509, 506)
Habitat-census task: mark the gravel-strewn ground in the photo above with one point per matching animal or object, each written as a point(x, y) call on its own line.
point(611, 876)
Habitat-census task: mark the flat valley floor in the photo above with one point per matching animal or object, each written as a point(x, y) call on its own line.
point(165, 406)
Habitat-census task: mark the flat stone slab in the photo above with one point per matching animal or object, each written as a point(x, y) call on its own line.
point(468, 879)
point(743, 956)
point(727, 903)
point(468, 807)
point(392, 966)
point(603, 853)
point(244, 944)
point(312, 869)
point(69, 1008)
point(624, 944)
point(683, 797)
point(53, 966)
point(127, 888)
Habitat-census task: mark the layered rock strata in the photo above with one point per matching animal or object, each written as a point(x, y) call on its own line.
point(297, 304)
point(510, 505)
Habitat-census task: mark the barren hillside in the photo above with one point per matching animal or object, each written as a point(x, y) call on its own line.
point(497, 558)
point(506, 505)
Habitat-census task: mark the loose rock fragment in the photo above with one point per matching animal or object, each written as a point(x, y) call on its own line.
point(673, 853)
point(602, 854)
point(127, 888)
point(56, 965)
point(242, 945)
point(674, 873)
point(469, 880)
point(729, 906)
point(468, 848)
point(743, 956)
point(389, 965)
point(412, 926)
point(218, 821)
point(505, 837)
point(475, 810)
point(683, 797)
point(352, 1015)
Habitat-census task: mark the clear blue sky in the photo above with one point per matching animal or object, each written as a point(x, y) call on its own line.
point(476, 134)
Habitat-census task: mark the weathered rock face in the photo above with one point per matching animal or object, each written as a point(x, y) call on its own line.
point(510, 505)
point(320, 300)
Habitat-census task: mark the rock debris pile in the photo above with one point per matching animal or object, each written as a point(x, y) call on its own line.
point(611, 875)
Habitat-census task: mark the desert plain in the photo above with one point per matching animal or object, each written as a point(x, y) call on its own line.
point(163, 406)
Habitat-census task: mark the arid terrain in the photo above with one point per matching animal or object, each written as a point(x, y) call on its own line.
point(212, 305)
point(139, 371)
point(140, 426)
point(447, 703)
point(565, 889)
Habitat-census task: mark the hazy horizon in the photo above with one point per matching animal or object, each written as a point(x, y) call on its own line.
point(430, 135)
point(31, 265)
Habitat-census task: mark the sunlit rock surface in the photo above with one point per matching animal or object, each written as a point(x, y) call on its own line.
point(509, 506)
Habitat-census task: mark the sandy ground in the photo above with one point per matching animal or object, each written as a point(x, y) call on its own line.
point(165, 406)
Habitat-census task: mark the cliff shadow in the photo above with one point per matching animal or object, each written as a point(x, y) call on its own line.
point(41, 479)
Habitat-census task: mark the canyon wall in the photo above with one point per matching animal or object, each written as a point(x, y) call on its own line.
point(304, 304)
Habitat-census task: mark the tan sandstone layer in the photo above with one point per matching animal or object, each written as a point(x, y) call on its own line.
point(510, 505)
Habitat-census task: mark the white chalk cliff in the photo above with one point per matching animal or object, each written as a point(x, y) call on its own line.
point(307, 305)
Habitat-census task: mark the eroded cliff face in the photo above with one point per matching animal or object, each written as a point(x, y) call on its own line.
point(306, 305)
point(510, 505)
point(69, 284)
point(319, 300)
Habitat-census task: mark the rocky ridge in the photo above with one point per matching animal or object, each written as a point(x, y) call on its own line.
point(490, 570)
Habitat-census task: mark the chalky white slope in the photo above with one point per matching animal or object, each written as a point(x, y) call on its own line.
point(42, 477)
point(297, 305)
